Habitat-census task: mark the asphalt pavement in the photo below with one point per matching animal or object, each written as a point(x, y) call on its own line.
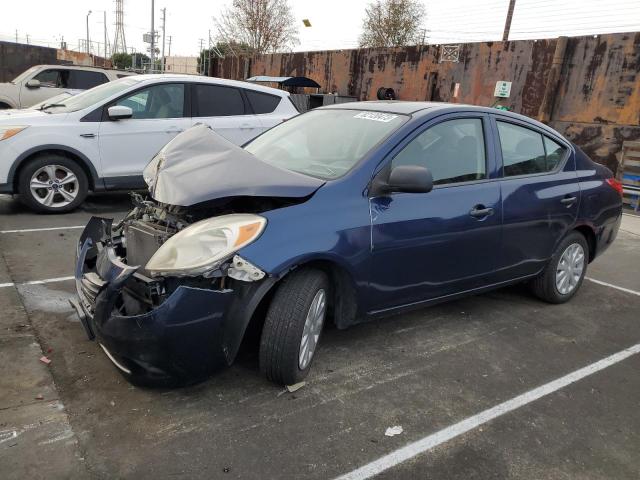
point(499, 385)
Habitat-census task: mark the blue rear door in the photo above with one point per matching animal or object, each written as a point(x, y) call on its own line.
point(433, 244)
point(540, 195)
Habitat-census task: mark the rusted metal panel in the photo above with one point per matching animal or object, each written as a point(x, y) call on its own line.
point(588, 88)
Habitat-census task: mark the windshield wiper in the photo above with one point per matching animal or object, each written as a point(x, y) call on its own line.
point(51, 105)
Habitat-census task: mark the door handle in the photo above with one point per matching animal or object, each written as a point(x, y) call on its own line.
point(480, 211)
point(175, 130)
point(88, 135)
point(568, 201)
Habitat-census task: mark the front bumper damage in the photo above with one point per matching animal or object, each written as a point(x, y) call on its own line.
point(186, 335)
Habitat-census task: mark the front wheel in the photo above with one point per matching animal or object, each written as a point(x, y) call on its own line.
point(293, 325)
point(52, 184)
point(563, 275)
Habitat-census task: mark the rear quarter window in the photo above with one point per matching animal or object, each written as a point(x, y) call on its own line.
point(262, 102)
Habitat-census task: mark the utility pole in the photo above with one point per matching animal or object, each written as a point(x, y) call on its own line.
point(153, 39)
point(88, 44)
point(27, 39)
point(201, 55)
point(105, 38)
point(507, 24)
point(169, 45)
point(164, 18)
point(16, 35)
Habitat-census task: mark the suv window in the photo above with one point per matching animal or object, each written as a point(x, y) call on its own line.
point(525, 152)
point(217, 101)
point(453, 151)
point(262, 102)
point(53, 78)
point(158, 101)
point(84, 80)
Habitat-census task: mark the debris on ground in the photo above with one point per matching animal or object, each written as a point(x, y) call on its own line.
point(295, 386)
point(45, 360)
point(392, 431)
point(39, 397)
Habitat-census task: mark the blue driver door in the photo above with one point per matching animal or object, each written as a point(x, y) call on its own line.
point(428, 245)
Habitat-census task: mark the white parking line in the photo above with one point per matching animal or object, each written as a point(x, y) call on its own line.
point(427, 443)
point(37, 282)
point(47, 229)
point(622, 289)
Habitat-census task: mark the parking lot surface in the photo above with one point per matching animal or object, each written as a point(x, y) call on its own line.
point(426, 371)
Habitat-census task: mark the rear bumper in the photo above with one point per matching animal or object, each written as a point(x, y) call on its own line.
point(189, 335)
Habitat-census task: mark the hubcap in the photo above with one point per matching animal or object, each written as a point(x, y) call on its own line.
point(570, 268)
point(54, 186)
point(312, 329)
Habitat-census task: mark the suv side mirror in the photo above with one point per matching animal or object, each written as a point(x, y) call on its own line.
point(119, 112)
point(405, 178)
point(33, 83)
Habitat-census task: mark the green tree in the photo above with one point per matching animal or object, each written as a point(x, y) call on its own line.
point(393, 23)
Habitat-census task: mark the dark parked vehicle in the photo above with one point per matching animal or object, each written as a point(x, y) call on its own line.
point(344, 213)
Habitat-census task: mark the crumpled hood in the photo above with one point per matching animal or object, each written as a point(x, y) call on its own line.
point(199, 165)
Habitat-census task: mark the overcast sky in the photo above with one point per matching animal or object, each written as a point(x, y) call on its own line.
point(335, 23)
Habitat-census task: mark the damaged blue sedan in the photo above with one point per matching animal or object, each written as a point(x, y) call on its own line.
point(343, 214)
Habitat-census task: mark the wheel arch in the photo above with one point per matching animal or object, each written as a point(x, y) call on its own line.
point(95, 183)
point(590, 235)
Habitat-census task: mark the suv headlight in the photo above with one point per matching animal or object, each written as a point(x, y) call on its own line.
point(203, 246)
point(8, 131)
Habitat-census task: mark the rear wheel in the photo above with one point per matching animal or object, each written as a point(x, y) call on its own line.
point(4, 106)
point(293, 325)
point(52, 184)
point(563, 275)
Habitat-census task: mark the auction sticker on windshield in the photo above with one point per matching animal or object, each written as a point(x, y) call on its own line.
point(376, 116)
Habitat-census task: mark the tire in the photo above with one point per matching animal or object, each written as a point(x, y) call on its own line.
point(4, 106)
point(284, 326)
point(48, 199)
point(545, 285)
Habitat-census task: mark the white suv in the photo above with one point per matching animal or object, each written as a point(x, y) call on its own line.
point(101, 139)
point(45, 81)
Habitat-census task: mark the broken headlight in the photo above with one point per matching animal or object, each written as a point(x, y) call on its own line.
point(203, 246)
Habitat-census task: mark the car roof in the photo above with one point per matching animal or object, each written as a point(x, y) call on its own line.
point(83, 67)
point(409, 108)
point(157, 77)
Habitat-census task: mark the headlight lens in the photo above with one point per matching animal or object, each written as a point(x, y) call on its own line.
point(202, 246)
point(9, 131)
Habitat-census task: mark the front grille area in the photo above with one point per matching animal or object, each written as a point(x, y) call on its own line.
point(90, 285)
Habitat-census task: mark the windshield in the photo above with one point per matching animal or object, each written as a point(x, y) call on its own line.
point(24, 75)
point(95, 95)
point(324, 143)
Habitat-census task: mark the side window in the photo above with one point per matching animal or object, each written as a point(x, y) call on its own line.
point(525, 152)
point(84, 79)
point(453, 151)
point(555, 153)
point(158, 101)
point(52, 78)
point(262, 102)
point(217, 101)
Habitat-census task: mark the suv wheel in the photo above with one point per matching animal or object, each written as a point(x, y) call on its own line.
point(563, 275)
point(52, 184)
point(293, 326)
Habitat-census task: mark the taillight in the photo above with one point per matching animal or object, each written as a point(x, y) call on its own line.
point(615, 184)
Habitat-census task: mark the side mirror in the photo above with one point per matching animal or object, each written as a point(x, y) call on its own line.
point(407, 179)
point(33, 83)
point(119, 112)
